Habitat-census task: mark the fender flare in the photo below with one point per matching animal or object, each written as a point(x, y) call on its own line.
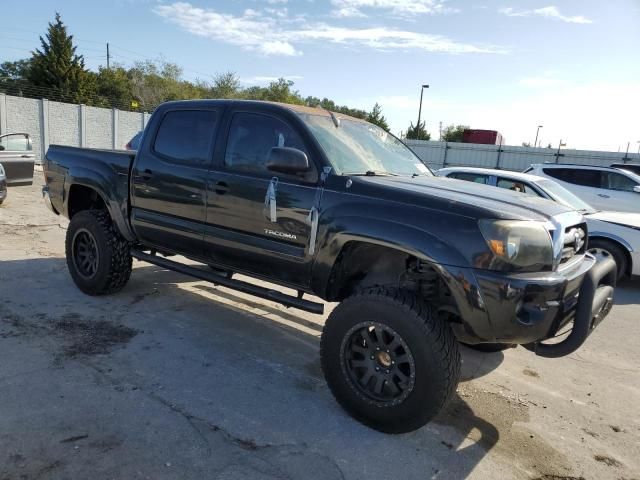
point(115, 200)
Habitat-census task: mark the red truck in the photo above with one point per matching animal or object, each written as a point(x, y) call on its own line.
point(487, 137)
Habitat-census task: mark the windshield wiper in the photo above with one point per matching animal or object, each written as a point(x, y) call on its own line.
point(372, 173)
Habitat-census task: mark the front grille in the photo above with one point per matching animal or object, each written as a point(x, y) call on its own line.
point(574, 242)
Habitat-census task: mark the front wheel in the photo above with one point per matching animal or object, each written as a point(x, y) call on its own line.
point(388, 360)
point(98, 257)
point(599, 246)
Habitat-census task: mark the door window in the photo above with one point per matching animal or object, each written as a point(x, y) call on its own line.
point(186, 136)
point(251, 138)
point(15, 143)
point(577, 176)
point(471, 177)
point(517, 186)
point(617, 181)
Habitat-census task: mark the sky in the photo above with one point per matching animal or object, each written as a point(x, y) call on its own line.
point(571, 66)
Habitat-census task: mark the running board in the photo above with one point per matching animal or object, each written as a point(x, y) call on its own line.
point(244, 287)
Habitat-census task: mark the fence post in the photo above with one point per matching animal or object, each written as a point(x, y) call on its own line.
point(115, 128)
point(498, 159)
point(82, 121)
point(3, 113)
point(44, 127)
point(444, 160)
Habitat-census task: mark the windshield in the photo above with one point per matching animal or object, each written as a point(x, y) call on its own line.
point(564, 196)
point(360, 148)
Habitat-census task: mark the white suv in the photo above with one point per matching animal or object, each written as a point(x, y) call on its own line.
point(604, 188)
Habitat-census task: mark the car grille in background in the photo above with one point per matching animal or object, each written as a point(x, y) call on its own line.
point(575, 242)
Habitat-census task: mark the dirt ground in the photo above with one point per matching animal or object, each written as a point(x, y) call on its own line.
point(175, 378)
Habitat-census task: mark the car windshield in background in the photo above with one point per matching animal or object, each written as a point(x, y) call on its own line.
point(360, 148)
point(564, 196)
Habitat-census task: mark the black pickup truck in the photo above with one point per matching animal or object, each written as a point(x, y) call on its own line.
point(336, 207)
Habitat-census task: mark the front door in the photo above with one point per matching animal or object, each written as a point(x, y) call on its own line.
point(169, 180)
point(16, 156)
point(246, 231)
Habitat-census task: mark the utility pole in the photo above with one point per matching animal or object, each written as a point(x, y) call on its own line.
point(420, 109)
point(535, 142)
point(440, 139)
point(626, 154)
point(108, 56)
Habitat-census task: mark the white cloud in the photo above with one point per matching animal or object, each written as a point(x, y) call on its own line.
point(353, 8)
point(546, 12)
point(248, 31)
point(277, 36)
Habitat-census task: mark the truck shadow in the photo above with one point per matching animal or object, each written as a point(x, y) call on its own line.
point(627, 292)
point(266, 381)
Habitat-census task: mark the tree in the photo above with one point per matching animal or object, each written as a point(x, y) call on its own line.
point(526, 144)
point(56, 66)
point(454, 133)
point(376, 117)
point(13, 77)
point(113, 87)
point(417, 132)
point(226, 85)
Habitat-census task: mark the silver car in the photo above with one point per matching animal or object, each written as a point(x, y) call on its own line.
point(617, 233)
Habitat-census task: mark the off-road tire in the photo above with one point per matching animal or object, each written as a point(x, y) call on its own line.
point(615, 251)
point(431, 342)
point(114, 257)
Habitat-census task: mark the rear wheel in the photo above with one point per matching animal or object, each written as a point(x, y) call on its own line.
point(599, 245)
point(98, 257)
point(388, 361)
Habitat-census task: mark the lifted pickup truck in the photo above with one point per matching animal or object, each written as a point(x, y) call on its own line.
point(336, 207)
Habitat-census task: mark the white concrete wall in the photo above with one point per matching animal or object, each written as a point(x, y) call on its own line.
point(450, 154)
point(68, 124)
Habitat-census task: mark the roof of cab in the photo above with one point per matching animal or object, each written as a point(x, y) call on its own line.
point(289, 106)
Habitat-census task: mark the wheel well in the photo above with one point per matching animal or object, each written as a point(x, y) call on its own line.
point(622, 248)
point(84, 198)
point(362, 265)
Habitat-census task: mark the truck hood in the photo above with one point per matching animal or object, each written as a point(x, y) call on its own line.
point(461, 197)
point(626, 219)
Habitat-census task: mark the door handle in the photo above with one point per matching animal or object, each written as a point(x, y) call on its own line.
point(603, 195)
point(221, 188)
point(25, 156)
point(145, 175)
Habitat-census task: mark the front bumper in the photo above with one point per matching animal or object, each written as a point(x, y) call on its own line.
point(528, 309)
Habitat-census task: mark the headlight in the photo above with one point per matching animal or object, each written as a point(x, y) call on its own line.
point(518, 245)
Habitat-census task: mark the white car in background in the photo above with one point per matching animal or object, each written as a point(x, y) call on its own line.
point(604, 188)
point(617, 233)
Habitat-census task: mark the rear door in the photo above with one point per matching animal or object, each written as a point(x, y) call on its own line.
point(240, 231)
point(16, 156)
point(584, 182)
point(168, 180)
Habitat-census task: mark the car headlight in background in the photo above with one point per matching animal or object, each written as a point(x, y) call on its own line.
point(518, 245)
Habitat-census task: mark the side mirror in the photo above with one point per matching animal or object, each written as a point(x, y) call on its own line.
point(1, 147)
point(636, 189)
point(287, 160)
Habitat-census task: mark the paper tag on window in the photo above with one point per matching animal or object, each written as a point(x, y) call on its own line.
point(422, 168)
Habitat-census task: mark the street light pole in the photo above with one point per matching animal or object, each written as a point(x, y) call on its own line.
point(535, 142)
point(420, 109)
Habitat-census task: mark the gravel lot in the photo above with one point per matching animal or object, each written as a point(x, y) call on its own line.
point(174, 378)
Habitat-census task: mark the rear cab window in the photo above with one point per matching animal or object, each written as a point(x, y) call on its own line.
point(186, 136)
point(517, 186)
point(576, 176)
point(471, 177)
